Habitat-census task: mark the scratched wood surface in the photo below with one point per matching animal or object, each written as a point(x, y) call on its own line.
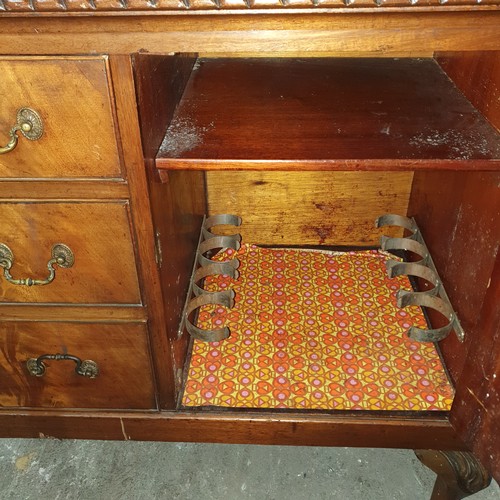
point(41, 6)
point(300, 114)
point(472, 205)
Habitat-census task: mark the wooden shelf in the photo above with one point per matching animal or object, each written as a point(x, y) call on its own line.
point(326, 114)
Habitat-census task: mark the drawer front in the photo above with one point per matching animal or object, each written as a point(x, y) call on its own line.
point(72, 97)
point(120, 352)
point(98, 235)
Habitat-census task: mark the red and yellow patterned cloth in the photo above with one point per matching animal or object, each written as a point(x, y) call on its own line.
point(314, 330)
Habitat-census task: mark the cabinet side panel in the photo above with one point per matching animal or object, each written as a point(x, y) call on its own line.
point(476, 410)
point(459, 215)
point(177, 203)
point(126, 105)
point(477, 75)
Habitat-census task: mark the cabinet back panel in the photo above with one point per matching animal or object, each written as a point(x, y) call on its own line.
point(309, 208)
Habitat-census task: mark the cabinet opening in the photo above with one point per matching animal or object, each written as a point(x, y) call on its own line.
point(309, 152)
point(315, 325)
point(308, 329)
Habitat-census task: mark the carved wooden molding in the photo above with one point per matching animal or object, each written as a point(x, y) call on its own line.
point(459, 473)
point(40, 6)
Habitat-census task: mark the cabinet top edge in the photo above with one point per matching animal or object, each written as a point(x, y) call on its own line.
point(120, 8)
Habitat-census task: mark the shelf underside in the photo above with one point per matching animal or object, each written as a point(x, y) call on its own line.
point(326, 114)
point(312, 330)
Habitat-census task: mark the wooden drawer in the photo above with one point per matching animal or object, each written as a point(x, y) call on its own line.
point(121, 352)
point(72, 96)
point(98, 234)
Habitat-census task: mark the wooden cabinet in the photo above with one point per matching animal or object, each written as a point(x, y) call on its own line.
point(292, 121)
point(68, 250)
point(307, 168)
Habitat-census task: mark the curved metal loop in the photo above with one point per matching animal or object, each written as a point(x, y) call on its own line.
point(395, 268)
point(29, 123)
point(62, 256)
point(406, 244)
point(425, 300)
point(217, 242)
point(229, 268)
point(425, 268)
point(86, 368)
point(397, 220)
point(224, 298)
point(219, 220)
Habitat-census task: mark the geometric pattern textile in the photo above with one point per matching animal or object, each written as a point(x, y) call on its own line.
point(314, 330)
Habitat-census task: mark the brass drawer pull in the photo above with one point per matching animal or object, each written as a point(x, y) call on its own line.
point(86, 368)
point(29, 124)
point(62, 256)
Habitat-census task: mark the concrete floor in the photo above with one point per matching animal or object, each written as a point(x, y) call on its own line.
point(52, 469)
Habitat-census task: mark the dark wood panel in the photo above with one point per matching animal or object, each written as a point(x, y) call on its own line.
point(308, 113)
point(178, 209)
point(177, 206)
point(124, 379)
point(160, 82)
point(126, 105)
point(290, 429)
point(459, 215)
point(477, 75)
point(476, 408)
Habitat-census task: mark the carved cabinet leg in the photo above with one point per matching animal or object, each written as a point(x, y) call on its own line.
point(459, 473)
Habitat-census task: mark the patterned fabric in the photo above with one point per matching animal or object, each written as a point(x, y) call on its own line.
point(314, 330)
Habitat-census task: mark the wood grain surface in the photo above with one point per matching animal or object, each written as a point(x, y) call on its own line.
point(73, 98)
point(477, 75)
point(178, 204)
point(98, 233)
point(296, 114)
point(309, 208)
point(368, 33)
point(459, 216)
point(217, 5)
point(478, 390)
point(124, 379)
point(228, 427)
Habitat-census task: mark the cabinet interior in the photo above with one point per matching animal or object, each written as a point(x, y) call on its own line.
point(309, 152)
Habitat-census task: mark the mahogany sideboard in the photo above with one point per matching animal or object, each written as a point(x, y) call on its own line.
point(99, 225)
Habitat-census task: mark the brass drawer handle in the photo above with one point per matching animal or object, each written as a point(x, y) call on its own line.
point(29, 124)
point(86, 368)
point(62, 256)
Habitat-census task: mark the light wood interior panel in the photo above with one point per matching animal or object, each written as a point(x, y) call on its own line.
point(309, 208)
